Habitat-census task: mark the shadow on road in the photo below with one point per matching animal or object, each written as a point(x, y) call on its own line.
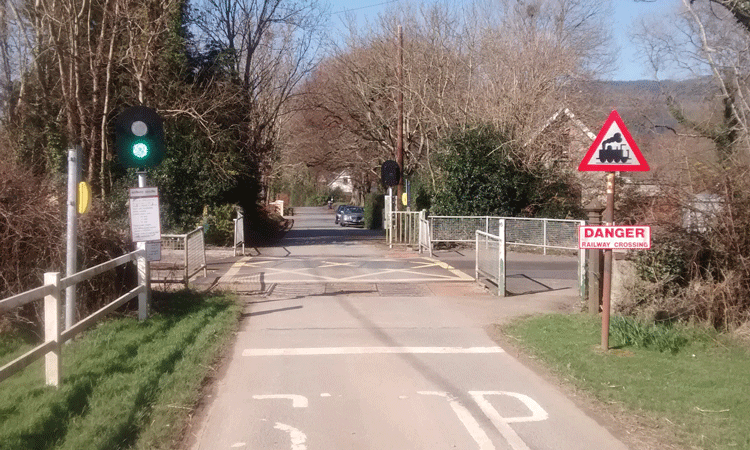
point(311, 236)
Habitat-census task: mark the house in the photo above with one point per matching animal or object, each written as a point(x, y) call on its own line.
point(564, 138)
point(562, 142)
point(342, 182)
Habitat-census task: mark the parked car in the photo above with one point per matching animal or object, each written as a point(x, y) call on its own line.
point(353, 215)
point(339, 212)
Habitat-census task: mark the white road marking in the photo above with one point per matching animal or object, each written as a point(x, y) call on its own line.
point(279, 279)
point(239, 445)
point(502, 423)
point(337, 264)
point(298, 401)
point(271, 273)
point(367, 351)
point(298, 438)
point(325, 394)
point(469, 422)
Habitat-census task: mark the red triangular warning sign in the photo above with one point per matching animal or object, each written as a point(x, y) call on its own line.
point(614, 150)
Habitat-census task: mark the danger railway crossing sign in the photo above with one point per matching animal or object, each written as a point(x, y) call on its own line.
point(614, 150)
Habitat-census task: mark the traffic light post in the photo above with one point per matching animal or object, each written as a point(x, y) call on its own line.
point(139, 138)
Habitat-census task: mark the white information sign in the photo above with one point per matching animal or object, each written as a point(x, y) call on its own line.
point(144, 214)
point(636, 237)
point(153, 251)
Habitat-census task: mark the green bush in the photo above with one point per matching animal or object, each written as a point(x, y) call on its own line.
point(629, 332)
point(218, 225)
point(374, 205)
point(479, 176)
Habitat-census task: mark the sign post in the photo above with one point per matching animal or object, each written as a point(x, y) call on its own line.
point(613, 150)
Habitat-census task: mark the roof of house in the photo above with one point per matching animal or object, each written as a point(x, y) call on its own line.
point(561, 114)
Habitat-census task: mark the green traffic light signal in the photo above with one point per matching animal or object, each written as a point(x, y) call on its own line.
point(139, 136)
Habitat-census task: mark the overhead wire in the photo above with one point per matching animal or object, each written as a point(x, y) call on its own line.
point(365, 7)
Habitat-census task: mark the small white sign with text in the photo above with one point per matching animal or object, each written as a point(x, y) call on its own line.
point(144, 214)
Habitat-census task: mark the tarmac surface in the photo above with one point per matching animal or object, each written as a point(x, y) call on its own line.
point(346, 343)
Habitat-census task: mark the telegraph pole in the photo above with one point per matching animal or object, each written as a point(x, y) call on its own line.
point(400, 138)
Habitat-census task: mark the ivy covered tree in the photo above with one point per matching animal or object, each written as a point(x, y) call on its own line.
point(479, 176)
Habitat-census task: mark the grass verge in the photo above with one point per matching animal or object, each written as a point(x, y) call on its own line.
point(126, 384)
point(690, 384)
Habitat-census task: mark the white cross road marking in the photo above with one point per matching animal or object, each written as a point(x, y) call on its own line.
point(469, 422)
point(337, 264)
point(367, 351)
point(256, 263)
point(298, 438)
point(298, 401)
point(502, 423)
point(371, 274)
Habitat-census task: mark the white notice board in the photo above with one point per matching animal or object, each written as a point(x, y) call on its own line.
point(144, 214)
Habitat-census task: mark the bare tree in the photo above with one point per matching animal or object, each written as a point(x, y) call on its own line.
point(709, 38)
point(503, 62)
point(270, 46)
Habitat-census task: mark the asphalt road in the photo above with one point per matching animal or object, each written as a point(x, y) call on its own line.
point(346, 344)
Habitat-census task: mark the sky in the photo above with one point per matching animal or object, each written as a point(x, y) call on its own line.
point(625, 12)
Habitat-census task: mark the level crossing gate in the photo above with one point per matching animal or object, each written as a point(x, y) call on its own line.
point(490, 235)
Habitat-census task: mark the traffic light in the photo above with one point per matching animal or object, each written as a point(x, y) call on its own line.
point(390, 173)
point(139, 137)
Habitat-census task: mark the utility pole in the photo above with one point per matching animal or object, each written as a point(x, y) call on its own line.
point(400, 138)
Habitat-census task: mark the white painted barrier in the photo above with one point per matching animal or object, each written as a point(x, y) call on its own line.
point(53, 291)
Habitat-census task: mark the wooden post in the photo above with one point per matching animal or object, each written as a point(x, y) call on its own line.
point(609, 213)
point(400, 126)
point(52, 307)
point(594, 256)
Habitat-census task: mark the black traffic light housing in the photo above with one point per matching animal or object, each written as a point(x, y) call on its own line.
point(390, 173)
point(139, 137)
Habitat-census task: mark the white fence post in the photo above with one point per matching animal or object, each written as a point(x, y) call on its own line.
point(144, 279)
point(186, 275)
point(501, 256)
point(421, 232)
point(476, 257)
point(52, 304)
point(544, 232)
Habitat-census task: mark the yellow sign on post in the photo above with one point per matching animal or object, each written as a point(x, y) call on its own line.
point(405, 199)
point(83, 199)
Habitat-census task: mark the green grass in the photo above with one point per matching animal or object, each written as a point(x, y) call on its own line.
point(691, 384)
point(125, 384)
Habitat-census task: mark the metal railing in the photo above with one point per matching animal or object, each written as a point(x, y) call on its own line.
point(403, 228)
point(542, 233)
point(53, 292)
point(194, 253)
point(490, 259)
point(557, 234)
point(457, 228)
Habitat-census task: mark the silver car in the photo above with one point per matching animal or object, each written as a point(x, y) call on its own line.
point(353, 215)
point(339, 213)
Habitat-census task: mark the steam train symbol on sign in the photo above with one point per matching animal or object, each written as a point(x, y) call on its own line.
point(614, 150)
point(614, 155)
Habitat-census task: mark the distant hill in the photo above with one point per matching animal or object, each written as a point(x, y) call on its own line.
point(643, 103)
point(643, 107)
